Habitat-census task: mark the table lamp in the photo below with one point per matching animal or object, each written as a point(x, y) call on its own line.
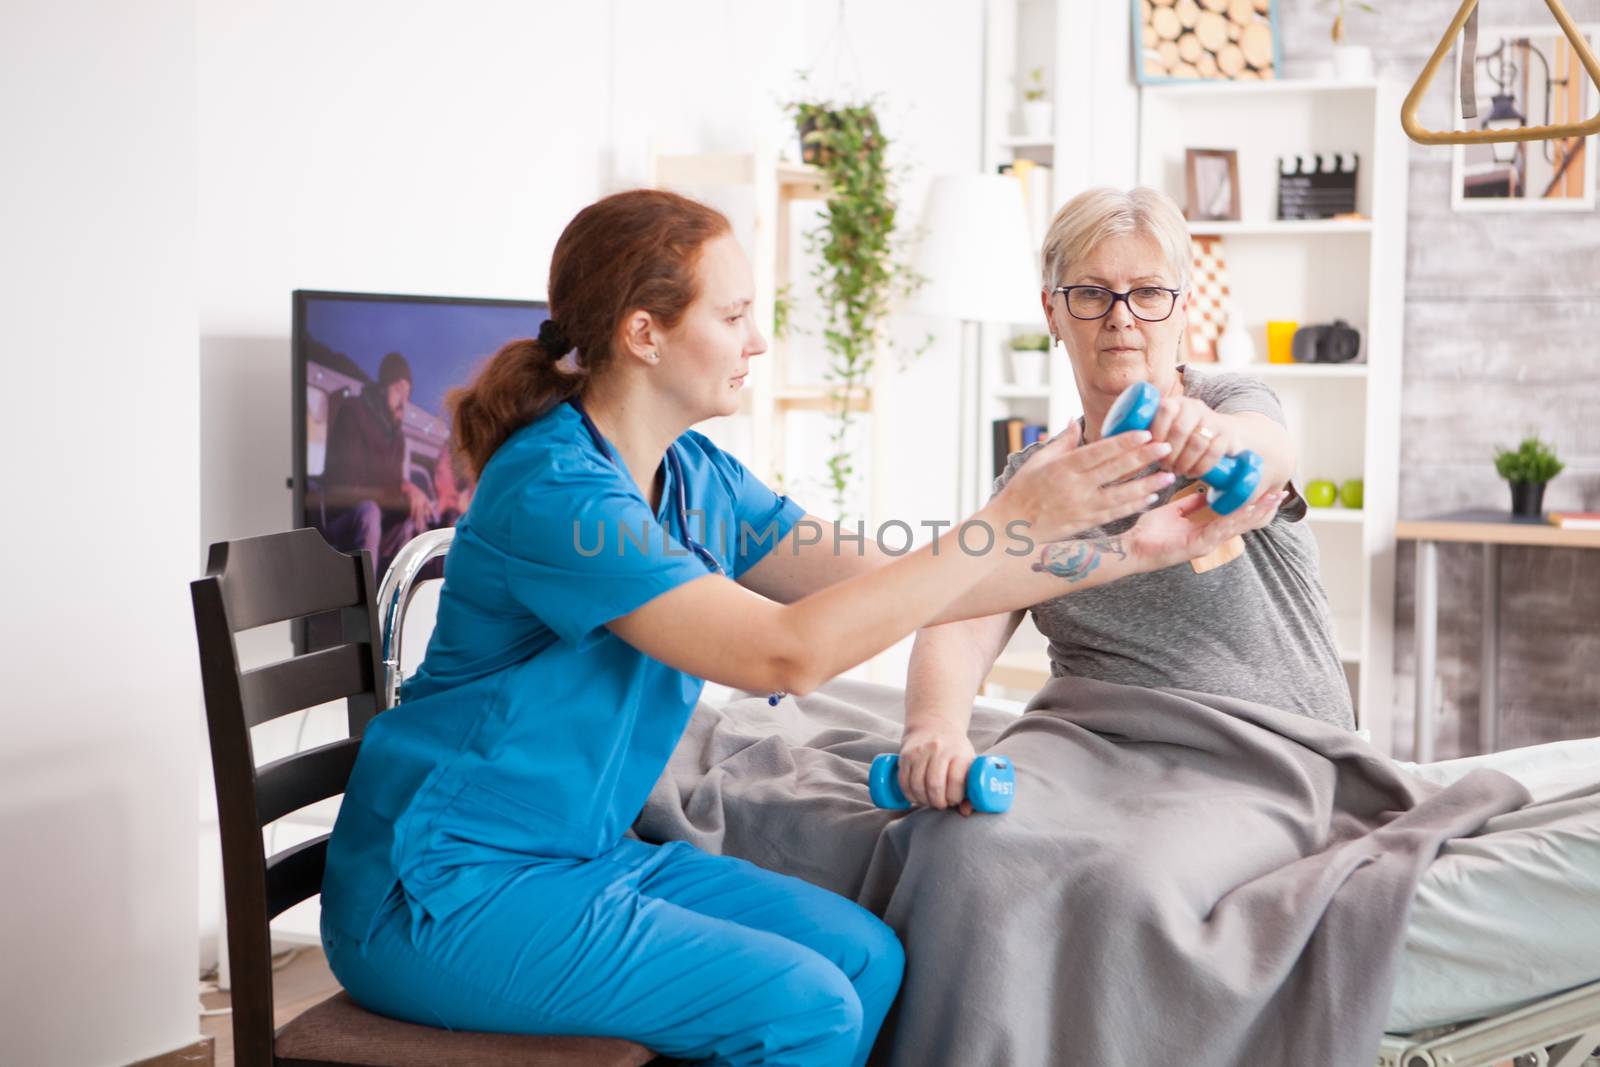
point(980, 265)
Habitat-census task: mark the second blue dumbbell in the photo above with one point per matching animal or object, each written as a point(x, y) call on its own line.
point(1233, 480)
point(991, 783)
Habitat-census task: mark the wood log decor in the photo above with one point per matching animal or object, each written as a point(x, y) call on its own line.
point(1230, 39)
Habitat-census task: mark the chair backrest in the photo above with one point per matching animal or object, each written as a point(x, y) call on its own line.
point(250, 583)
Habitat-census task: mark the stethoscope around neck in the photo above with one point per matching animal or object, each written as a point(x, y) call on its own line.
point(675, 467)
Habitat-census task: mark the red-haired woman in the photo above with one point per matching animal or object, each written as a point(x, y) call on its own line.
point(481, 875)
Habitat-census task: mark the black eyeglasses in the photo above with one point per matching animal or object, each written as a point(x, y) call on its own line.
point(1147, 303)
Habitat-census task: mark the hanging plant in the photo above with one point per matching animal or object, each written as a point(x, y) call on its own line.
point(782, 312)
point(861, 264)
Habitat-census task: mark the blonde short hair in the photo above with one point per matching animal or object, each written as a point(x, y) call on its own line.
point(1096, 214)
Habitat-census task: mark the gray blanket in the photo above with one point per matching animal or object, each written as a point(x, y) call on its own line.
point(1182, 878)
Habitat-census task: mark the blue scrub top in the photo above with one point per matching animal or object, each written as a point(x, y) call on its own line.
point(531, 730)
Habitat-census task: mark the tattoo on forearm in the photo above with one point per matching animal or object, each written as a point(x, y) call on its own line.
point(1073, 560)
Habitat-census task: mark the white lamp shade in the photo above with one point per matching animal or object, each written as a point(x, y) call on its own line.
point(976, 252)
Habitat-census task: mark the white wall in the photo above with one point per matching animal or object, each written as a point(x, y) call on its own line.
point(377, 147)
point(438, 149)
point(98, 673)
point(441, 148)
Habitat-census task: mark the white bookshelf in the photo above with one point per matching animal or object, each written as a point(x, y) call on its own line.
point(1346, 416)
point(1082, 45)
point(1281, 228)
point(1302, 372)
point(1337, 515)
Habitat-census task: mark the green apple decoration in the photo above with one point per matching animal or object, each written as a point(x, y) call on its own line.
point(1350, 493)
point(1321, 493)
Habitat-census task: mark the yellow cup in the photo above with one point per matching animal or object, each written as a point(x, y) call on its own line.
point(1280, 341)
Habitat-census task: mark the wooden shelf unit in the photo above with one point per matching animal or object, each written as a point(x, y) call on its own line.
point(1311, 271)
point(1346, 416)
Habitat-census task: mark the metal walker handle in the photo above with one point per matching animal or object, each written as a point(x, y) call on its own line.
point(394, 597)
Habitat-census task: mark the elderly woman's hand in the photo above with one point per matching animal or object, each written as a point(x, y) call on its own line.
point(1064, 489)
point(1168, 534)
point(933, 766)
point(1199, 436)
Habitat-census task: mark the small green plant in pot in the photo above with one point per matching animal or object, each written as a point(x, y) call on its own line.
point(1351, 62)
point(1030, 353)
point(1036, 106)
point(1527, 468)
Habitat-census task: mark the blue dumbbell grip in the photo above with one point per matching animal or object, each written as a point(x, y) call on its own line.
point(1234, 478)
point(883, 782)
point(991, 783)
point(1222, 473)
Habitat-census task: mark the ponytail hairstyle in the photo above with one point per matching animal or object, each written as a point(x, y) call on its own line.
point(631, 251)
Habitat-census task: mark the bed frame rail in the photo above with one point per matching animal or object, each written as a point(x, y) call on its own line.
point(1562, 1031)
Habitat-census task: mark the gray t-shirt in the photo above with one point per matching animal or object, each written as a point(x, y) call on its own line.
point(1257, 628)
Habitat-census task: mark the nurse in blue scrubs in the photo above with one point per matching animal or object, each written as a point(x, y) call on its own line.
point(481, 875)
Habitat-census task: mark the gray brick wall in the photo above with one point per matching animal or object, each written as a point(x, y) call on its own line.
point(1502, 337)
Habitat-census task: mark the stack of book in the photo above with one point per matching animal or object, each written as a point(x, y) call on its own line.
point(1576, 520)
point(1012, 435)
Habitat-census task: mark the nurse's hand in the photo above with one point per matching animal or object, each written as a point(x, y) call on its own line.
point(933, 766)
point(1064, 489)
point(1179, 531)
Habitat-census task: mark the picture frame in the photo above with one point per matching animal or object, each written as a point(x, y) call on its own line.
point(1211, 184)
point(1184, 41)
point(1523, 69)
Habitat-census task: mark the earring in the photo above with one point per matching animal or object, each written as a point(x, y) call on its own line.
point(655, 357)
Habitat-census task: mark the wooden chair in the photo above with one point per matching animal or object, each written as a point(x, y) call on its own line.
point(251, 583)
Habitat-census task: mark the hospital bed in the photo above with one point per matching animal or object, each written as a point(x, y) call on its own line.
point(1560, 1031)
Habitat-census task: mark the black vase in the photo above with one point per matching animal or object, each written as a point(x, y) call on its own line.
point(1527, 498)
point(810, 151)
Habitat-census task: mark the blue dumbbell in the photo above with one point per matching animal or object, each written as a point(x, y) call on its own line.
point(991, 783)
point(1233, 480)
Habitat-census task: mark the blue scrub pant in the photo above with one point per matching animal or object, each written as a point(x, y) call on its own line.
point(691, 955)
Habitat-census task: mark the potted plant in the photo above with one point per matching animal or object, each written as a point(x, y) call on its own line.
point(860, 256)
point(1029, 355)
point(1527, 469)
point(1351, 62)
point(826, 128)
point(1036, 106)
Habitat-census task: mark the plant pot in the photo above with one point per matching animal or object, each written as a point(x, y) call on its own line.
point(810, 151)
point(1527, 498)
point(1352, 62)
point(1036, 119)
point(1027, 367)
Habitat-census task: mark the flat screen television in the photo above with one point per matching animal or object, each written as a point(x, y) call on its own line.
point(373, 466)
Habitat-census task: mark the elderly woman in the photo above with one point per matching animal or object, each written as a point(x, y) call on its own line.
point(1116, 294)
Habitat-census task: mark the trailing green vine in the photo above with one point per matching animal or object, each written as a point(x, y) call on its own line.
point(782, 312)
point(860, 256)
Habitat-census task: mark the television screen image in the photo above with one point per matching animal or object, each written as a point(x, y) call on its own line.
point(373, 466)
